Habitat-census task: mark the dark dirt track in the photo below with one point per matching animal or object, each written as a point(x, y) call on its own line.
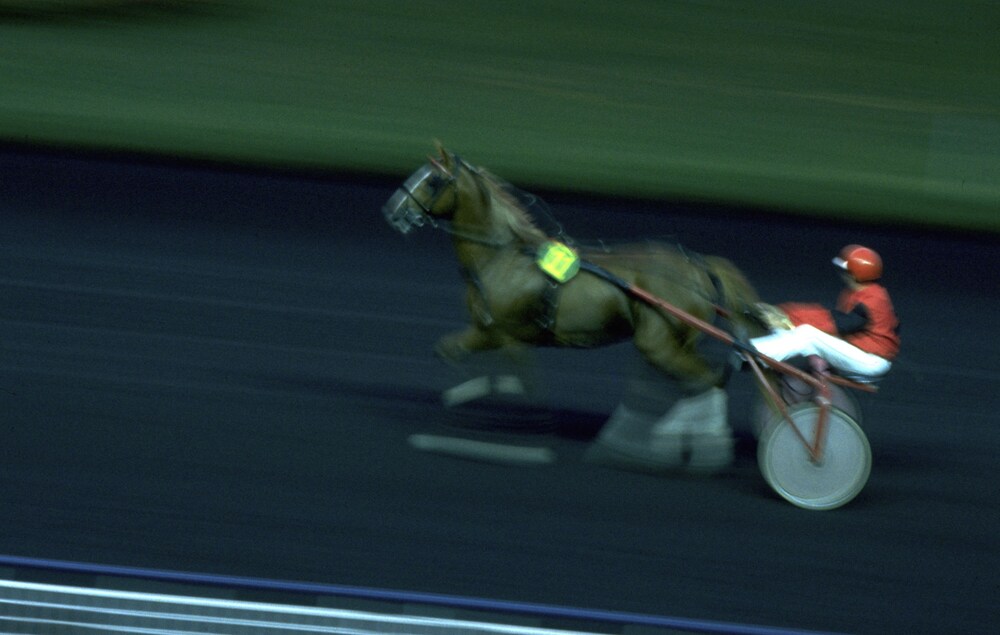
point(217, 371)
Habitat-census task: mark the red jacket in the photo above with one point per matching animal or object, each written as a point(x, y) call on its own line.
point(878, 336)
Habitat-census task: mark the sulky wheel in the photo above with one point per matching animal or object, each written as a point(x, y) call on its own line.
point(795, 391)
point(789, 469)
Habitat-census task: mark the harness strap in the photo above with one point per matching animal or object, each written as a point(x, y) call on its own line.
point(631, 290)
point(550, 303)
point(720, 293)
point(720, 305)
point(601, 272)
point(550, 297)
point(471, 278)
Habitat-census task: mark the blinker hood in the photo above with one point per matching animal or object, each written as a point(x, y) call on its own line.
point(403, 211)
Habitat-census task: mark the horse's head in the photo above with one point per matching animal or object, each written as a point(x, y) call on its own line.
point(432, 193)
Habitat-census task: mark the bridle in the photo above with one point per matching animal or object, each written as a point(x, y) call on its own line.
point(405, 211)
point(398, 210)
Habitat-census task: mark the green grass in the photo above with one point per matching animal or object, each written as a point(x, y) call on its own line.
point(876, 111)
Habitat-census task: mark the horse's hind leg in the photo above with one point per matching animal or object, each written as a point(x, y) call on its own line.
point(683, 426)
point(625, 440)
point(692, 435)
point(697, 428)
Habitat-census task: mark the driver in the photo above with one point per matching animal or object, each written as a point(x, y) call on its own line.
point(858, 338)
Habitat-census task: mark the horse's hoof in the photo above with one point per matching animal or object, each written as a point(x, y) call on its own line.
point(695, 454)
point(624, 443)
point(498, 403)
point(467, 391)
point(629, 457)
point(709, 453)
point(452, 348)
point(484, 386)
point(701, 454)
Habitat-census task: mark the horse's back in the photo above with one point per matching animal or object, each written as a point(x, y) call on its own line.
point(664, 270)
point(691, 281)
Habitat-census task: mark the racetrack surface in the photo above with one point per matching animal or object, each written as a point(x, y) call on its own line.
point(218, 372)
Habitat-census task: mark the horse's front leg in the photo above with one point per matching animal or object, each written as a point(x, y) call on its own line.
point(495, 379)
point(457, 346)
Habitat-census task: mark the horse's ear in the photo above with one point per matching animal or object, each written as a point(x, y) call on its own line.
point(440, 167)
point(445, 157)
point(443, 154)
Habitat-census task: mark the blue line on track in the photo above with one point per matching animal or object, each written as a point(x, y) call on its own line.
point(414, 597)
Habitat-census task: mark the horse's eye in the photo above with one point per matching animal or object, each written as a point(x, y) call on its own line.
point(435, 181)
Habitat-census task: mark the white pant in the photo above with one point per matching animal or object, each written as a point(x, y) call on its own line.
point(809, 340)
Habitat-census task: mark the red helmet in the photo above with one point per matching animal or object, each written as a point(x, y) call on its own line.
point(861, 262)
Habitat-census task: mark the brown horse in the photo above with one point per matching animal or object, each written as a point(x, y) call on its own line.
point(513, 301)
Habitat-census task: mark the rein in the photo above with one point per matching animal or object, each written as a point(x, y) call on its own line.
point(448, 227)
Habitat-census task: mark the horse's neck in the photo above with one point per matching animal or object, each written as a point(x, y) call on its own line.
point(484, 224)
point(479, 229)
point(477, 237)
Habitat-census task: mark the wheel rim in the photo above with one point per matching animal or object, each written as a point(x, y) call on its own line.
point(788, 467)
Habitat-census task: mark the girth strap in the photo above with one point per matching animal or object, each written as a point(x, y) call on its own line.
point(550, 305)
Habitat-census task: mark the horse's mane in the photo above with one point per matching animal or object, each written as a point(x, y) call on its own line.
point(508, 211)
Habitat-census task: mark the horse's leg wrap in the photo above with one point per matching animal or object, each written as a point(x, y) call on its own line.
point(693, 435)
point(483, 386)
point(624, 442)
point(696, 428)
